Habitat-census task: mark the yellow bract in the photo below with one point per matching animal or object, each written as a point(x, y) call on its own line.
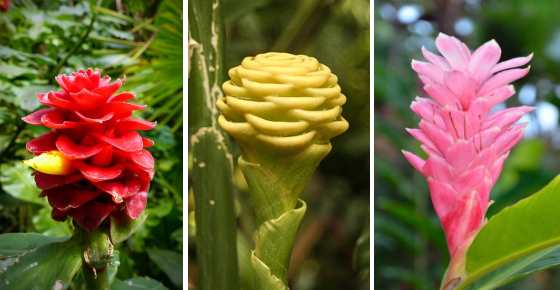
point(52, 162)
point(282, 100)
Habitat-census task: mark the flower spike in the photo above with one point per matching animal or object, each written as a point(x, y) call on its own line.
point(92, 164)
point(283, 110)
point(465, 143)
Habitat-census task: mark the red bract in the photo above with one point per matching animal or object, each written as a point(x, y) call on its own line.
point(4, 5)
point(92, 126)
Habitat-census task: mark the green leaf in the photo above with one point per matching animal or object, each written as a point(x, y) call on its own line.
point(27, 96)
point(263, 278)
point(517, 241)
point(138, 283)
point(122, 229)
point(44, 224)
point(274, 240)
point(11, 71)
point(15, 244)
point(16, 180)
point(51, 266)
point(160, 81)
point(170, 262)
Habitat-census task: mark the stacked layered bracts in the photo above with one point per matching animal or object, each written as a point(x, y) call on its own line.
point(93, 162)
point(465, 142)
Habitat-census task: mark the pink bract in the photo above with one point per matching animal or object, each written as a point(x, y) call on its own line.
point(465, 142)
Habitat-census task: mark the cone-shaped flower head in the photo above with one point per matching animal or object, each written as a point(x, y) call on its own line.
point(466, 144)
point(282, 109)
point(282, 101)
point(92, 163)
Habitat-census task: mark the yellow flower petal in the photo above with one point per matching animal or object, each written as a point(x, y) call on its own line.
point(52, 162)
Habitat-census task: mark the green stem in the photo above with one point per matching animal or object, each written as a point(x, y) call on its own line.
point(99, 259)
point(275, 183)
point(212, 162)
point(96, 280)
point(214, 212)
point(456, 272)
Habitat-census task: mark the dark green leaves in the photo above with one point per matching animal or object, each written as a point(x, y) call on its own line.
point(171, 263)
point(160, 81)
point(15, 244)
point(52, 264)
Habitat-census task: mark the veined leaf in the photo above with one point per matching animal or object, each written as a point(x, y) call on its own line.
point(51, 266)
point(517, 241)
point(15, 244)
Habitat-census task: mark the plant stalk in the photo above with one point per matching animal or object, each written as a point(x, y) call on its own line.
point(275, 184)
point(100, 261)
point(456, 270)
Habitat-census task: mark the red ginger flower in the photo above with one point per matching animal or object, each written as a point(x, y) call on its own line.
point(466, 144)
point(92, 129)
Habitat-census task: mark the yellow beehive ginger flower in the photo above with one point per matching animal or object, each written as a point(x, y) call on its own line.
point(52, 162)
point(282, 109)
point(283, 101)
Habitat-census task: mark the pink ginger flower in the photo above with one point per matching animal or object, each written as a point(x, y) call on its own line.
point(466, 144)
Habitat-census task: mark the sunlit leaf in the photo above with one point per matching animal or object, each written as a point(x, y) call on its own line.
point(16, 180)
point(520, 239)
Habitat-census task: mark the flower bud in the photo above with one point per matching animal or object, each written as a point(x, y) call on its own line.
point(52, 162)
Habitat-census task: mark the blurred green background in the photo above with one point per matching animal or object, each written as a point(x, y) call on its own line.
point(332, 250)
point(410, 247)
point(138, 40)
